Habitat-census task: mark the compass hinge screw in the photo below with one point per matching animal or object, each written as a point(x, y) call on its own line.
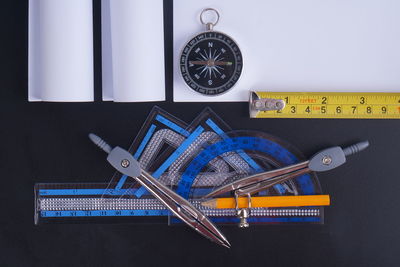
point(326, 160)
point(125, 163)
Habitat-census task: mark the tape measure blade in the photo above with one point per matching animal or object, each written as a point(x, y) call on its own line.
point(329, 105)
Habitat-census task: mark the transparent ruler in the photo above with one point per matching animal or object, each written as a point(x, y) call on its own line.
point(76, 202)
point(325, 105)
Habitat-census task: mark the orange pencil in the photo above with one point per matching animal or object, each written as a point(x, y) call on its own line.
point(269, 201)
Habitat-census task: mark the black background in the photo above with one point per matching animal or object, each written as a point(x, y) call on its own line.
point(47, 142)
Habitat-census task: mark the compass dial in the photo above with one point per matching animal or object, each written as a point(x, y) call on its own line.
point(211, 63)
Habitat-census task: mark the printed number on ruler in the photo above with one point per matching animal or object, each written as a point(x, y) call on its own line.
point(334, 105)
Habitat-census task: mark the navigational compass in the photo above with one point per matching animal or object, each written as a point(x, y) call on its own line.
point(211, 62)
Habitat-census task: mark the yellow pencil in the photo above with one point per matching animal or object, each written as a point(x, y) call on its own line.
point(271, 201)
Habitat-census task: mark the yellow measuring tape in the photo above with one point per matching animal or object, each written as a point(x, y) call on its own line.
point(325, 105)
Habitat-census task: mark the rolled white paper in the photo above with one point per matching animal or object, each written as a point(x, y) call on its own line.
point(60, 50)
point(133, 50)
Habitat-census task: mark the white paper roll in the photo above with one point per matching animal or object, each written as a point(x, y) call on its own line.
point(60, 50)
point(133, 50)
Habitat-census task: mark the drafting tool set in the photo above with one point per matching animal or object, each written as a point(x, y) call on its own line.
point(174, 170)
point(202, 174)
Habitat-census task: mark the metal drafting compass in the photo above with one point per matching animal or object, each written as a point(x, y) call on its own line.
point(211, 62)
point(324, 160)
point(124, 162)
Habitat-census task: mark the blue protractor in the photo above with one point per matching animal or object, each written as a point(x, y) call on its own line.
point(267, 151)
point(260, 151)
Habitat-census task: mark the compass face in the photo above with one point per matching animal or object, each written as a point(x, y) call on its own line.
point(211, 63)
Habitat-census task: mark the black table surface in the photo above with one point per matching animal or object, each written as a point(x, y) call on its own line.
point(47, 142)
